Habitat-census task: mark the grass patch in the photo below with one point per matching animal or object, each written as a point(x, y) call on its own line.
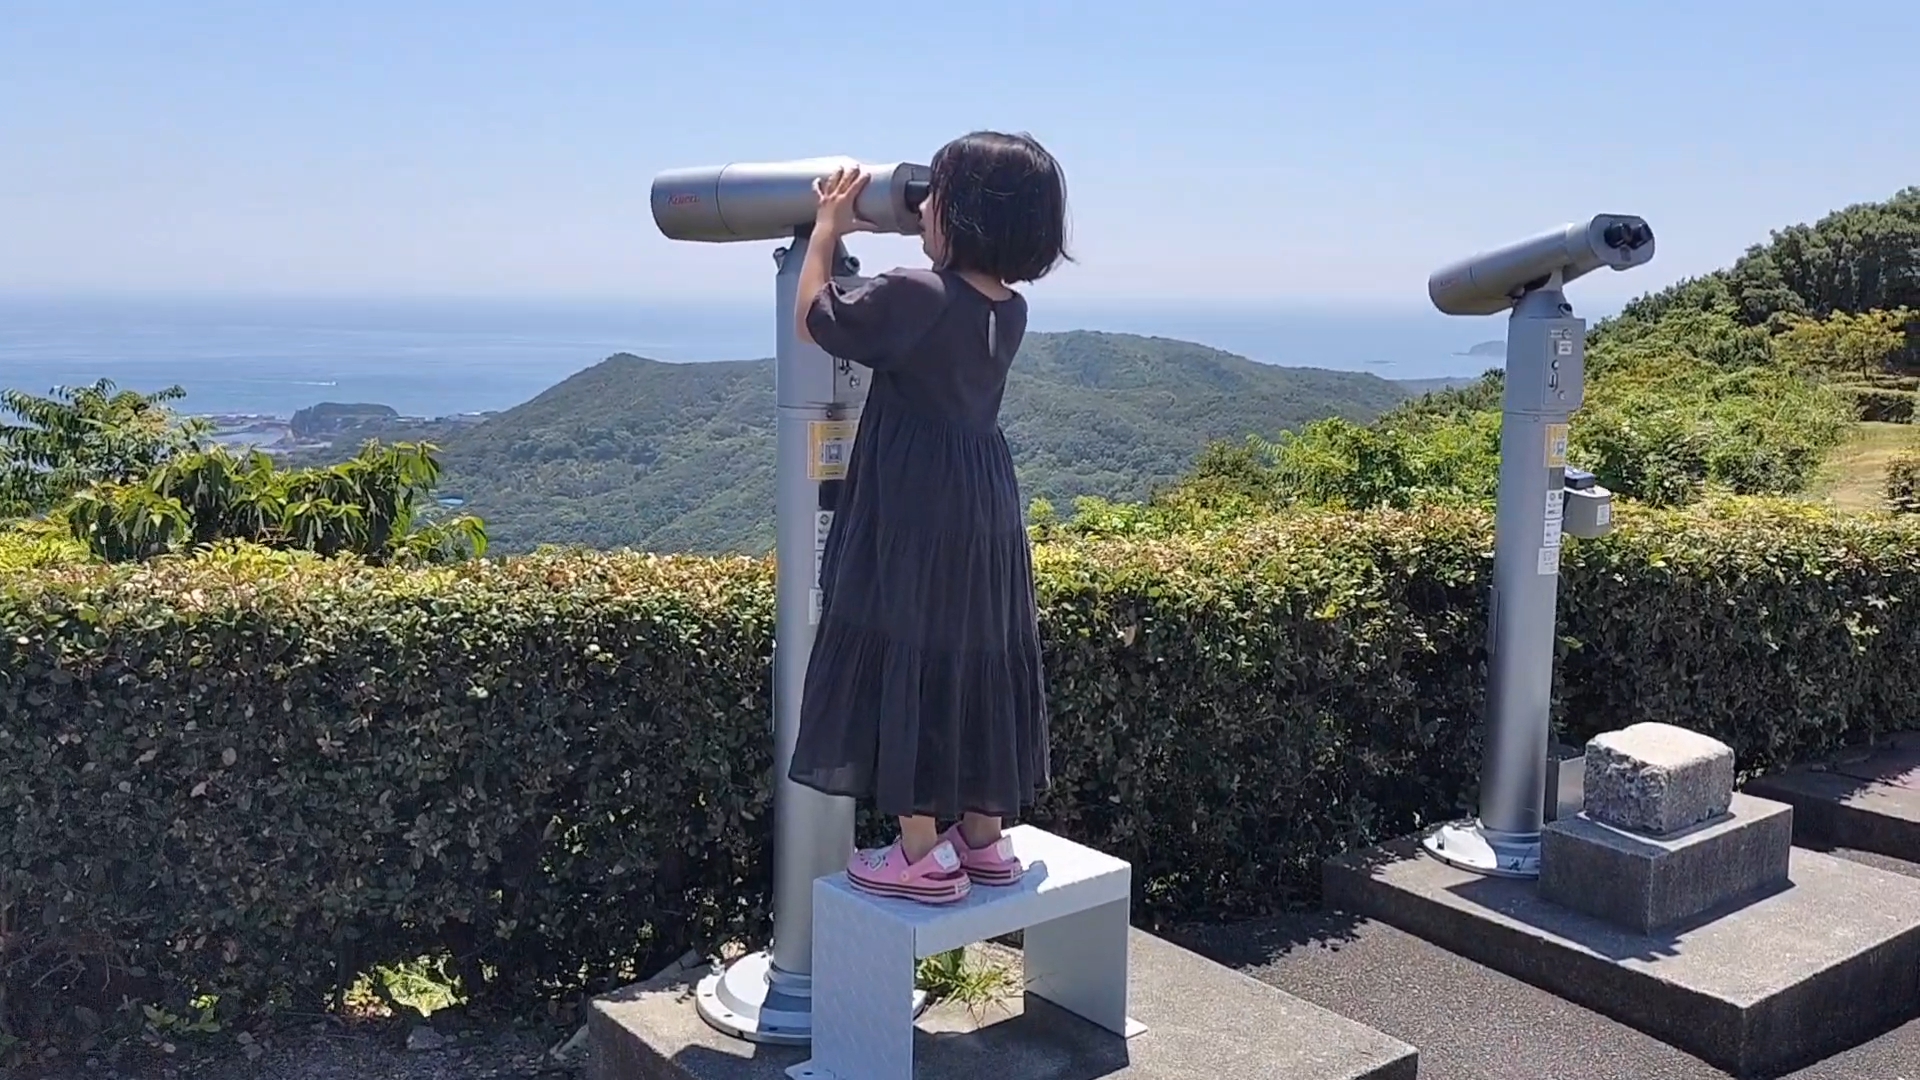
point(1855, 475)
point(971, 980)
point(424, 985)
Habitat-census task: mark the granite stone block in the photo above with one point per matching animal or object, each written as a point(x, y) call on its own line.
point(1657, 779)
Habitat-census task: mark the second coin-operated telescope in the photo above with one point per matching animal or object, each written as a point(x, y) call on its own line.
point(720, 204)
point(1493, 281)
point(1540, 500)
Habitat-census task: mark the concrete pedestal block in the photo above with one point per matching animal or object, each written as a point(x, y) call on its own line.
point(1867, 799)
point(1654, 883)
point(1769, 986)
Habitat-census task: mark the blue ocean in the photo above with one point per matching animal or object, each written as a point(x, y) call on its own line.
point(437, 358)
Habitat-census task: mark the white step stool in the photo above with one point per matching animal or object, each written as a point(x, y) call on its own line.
point(1073, 904)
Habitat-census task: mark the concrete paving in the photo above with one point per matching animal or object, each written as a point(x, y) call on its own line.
point(1467, 1021)
point(1204, 1022)
point(1472, 1023)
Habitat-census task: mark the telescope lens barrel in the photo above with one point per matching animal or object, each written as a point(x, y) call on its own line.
point(769, 200)
point(1492, 281)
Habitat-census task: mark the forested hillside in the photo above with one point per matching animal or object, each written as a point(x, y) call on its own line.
point(679, 457)
point(1751, 380)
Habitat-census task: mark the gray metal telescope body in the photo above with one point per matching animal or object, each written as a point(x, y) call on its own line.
point(1536, 504)
point(1493, 281)
point(767, 996)
point(769, 200)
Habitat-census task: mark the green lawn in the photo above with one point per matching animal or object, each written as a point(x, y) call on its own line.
point(1855, 476)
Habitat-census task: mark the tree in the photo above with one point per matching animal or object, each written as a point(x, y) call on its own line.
point(1843, 343)
point(375, 506)
point(1856, 259)
point(75, 437)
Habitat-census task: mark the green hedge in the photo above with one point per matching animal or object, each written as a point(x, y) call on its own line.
point(250, 775)
point(1883, 404)
point(1903, 483)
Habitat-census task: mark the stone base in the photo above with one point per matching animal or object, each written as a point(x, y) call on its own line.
point(1825, 965)
point(1648, 884)
point(1867, 800)
point(1204, 1022)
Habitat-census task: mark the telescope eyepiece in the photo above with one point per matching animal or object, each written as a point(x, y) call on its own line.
point(916, 192)
point(1622, 235)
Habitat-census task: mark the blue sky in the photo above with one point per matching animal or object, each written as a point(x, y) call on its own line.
point(1322, 154)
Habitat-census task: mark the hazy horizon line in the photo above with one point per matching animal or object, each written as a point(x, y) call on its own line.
point(1391, 306)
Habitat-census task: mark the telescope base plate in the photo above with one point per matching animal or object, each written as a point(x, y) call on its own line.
point(1468, 846)
point(743, 1001)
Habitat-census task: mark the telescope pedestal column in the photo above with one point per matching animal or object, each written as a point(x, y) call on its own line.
point(767, 996)
point(1544, 383)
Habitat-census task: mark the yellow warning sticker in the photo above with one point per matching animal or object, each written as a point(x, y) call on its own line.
point(828, 442)
point(1556, 446)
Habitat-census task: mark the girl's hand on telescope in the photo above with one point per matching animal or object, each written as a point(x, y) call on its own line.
point(837, 195)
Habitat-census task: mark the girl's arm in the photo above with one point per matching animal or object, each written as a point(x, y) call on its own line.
point(875, 323)
point(815, 272)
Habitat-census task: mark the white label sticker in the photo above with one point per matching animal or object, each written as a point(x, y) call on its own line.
point(822, 527)
point(1556, 514)
point(1603, 514)
point(1550, 561)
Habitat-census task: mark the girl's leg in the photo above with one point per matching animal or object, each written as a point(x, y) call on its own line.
point(918, 836)
point(979, 830)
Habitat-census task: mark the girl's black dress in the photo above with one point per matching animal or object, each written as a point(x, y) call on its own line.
point(924, 690)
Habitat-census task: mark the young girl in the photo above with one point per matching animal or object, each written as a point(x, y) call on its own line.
point(924, 690)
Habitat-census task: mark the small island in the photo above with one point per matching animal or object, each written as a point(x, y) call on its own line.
point(1486, 348)
point(330, 423)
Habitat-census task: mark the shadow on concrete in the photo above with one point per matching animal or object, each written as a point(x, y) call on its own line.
point(1520, 901)
point(1034, 1040)
point(1864, 798)
point(1260, 942)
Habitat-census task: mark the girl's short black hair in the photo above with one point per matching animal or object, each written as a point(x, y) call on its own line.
point(1002, 202)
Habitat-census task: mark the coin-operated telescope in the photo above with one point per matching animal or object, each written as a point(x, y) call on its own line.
point(767, 996)
point(1539, 501)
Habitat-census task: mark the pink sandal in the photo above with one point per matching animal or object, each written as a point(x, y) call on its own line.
point(936, 879)
point(993, 864)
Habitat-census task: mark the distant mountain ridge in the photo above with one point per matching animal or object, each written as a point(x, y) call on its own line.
point(679, 457)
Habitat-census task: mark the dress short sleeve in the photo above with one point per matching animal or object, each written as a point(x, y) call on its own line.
point(878, 322)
